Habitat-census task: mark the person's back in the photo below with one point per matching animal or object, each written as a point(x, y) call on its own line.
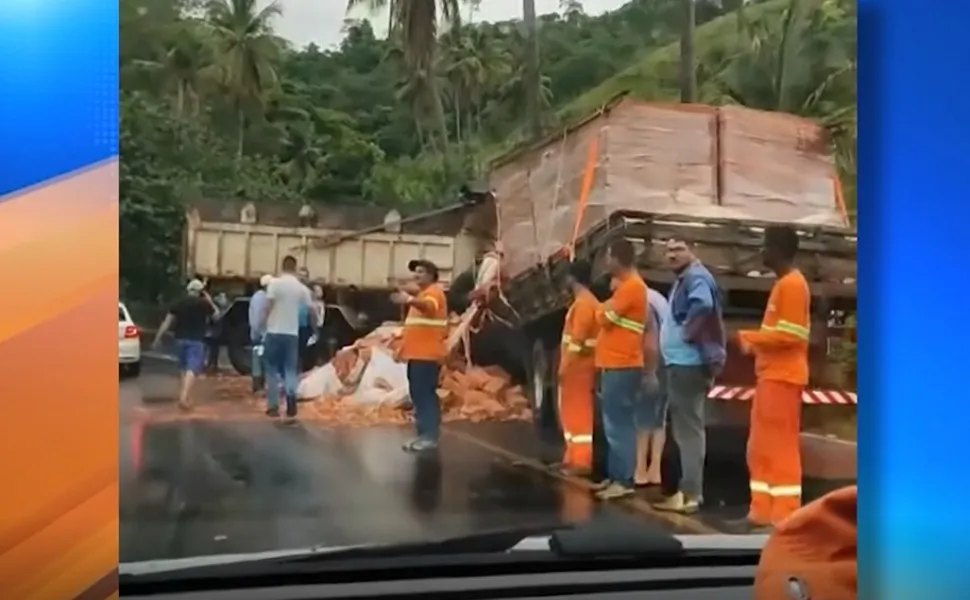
point(289, 297)
point(192, 315)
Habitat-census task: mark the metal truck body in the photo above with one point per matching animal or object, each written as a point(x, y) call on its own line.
point(651, 172)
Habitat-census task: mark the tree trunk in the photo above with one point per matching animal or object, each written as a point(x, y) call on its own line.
point(439, 112)
point(240, 135)
point(457, 118)
point(688, 60)
point(532, 76)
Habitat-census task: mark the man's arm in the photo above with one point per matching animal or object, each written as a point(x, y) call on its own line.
point(425, 303)
point(272, 291)
point(163, 329)
point(582, 339)
point(700, 304)
point(619, 306)
point(791, 304)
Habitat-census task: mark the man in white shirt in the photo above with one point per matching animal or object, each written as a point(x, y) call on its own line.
point(286, 298)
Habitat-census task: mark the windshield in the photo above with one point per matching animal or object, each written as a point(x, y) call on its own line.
point(328, 173)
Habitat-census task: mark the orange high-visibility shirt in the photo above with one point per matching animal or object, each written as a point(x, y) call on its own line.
point(813, 553)
point(781, 345)
point(579, 333)
point(620, 341)
point(426, 330)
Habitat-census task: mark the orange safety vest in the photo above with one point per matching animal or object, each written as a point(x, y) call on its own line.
point(781, 345)
point(426, 333)
point(622, 321)
point(579, 332)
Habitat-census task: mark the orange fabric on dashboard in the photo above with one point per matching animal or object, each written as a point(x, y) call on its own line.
point(813, 553)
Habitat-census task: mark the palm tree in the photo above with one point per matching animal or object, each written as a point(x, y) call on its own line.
point(470, 60)
point(414, 24)
point(803, 63)
point(533, 78)
point(181, 67)
point(246, 55)
point(688, 58)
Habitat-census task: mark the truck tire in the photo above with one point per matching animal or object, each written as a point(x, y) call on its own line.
point(239, 349)
point(543, 391)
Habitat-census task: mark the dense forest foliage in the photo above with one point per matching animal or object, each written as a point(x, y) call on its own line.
point(214, 104)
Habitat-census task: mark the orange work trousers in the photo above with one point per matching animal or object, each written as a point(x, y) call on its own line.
point(774, 452)
point(576, 390)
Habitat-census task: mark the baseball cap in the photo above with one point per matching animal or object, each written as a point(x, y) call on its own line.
point(195, 286)
point(264, 280)
point(427, 265)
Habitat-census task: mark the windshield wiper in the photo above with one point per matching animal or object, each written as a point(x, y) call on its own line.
point(602, 543)
point(479, 543)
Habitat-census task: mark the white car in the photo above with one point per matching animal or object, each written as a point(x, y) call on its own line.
point(129, 343)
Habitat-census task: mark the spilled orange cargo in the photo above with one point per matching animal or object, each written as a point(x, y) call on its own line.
point(467, 393)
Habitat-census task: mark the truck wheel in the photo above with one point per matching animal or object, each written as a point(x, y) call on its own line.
point(543, 392)
point(239, 349)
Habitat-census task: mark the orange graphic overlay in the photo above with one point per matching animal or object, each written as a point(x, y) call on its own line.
point(58, 346)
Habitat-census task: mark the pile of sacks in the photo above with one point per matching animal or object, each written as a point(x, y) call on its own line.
point(365, 384)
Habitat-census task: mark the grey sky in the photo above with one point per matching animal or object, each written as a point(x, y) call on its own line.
point(320, 21)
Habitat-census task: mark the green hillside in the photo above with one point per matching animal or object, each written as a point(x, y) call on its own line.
point(654, 76)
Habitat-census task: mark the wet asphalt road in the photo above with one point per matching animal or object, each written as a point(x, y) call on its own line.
point(204, 487)
point(212, 487)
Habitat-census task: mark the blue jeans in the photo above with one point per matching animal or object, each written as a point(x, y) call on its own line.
point(423, 385)
point(281, 355)
point(619, 391)
point(191, 355)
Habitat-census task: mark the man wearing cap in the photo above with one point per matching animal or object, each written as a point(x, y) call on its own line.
point(257, 329)
point(188, 318)
point(423, 346)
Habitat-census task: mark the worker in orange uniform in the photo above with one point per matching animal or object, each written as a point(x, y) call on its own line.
point(577, 372)
point(423, 347)
point(619, 360)
point(814, 553)
point(780, 349)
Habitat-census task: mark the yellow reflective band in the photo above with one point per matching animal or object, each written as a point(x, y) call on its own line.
point(786, 491)
point(582, 439)
point(776, 491)
point(429, 299)
point(590, 343)
point(427, 322)
point(794, 329)
point(623, 322)
point(566, 339)
point(574, 347)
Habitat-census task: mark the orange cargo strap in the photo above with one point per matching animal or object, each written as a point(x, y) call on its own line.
point(840, 199)
point(587, 185)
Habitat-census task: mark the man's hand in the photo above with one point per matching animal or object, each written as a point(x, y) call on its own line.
point(745, 345)
point(400, 298)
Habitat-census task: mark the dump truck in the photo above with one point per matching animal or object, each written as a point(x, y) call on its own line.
point(355, 253)
point(649, 172)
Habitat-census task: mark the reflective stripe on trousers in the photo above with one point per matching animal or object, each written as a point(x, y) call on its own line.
point(575, 404)
point(774, 451)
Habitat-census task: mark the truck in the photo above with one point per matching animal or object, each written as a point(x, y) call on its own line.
point(647, 172)
point(354, 253)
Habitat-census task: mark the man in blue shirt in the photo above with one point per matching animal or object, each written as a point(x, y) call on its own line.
point(257, 329)
point(694, 350)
